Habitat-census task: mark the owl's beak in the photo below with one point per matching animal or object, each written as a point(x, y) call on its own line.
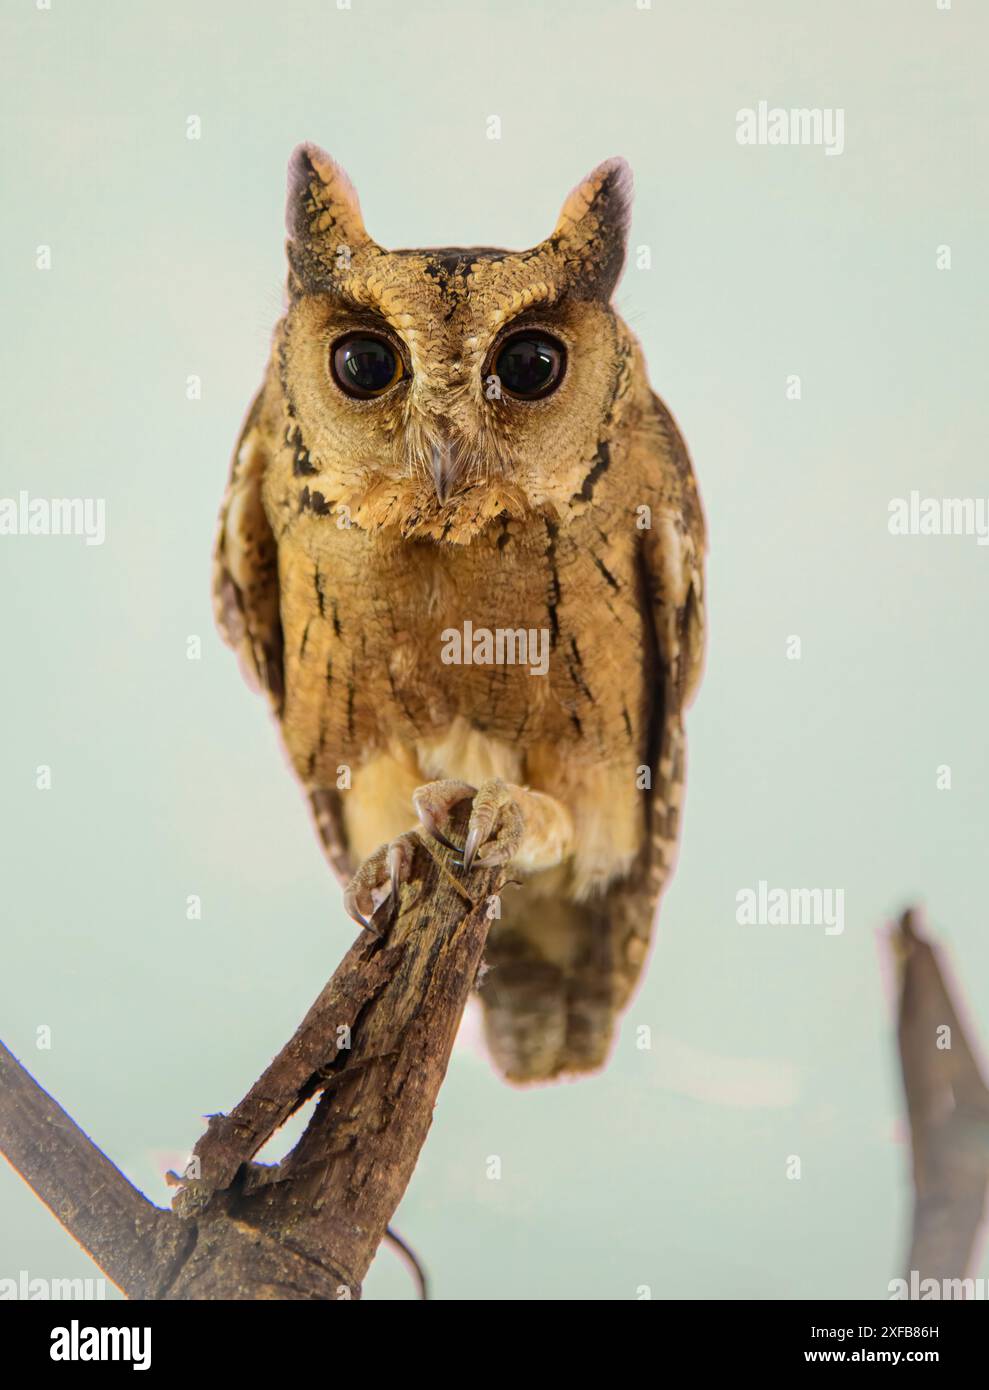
point(445, 468)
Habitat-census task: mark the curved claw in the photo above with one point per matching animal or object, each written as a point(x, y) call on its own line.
point(394, 874)
point(378, 882)
point(495, 827)
point(471, 847)
point(353, 911)
point(433, 802)
point(438, 834)
point(399, 860)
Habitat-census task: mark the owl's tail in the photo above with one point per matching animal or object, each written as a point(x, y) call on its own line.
point(561, 971)
point(558, 975)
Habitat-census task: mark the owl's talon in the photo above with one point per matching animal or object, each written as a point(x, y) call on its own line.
point(399, 859)
point(433, 803)
point(494, 831)
point(379, 880)
point(353, 911)
point(474, 837)
point(438, 835)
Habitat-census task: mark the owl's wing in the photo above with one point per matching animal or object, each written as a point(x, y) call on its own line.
point(247, 604)
point(245, 566)
point(672, 563)
point(673, 573)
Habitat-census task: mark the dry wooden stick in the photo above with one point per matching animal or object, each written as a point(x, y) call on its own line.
point(126, 1235)
point(375, 1045)
point(948, 1108)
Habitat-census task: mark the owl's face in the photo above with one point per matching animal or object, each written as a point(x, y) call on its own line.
point(437, 389)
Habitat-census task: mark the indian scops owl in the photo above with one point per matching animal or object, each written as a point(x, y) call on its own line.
point(462, 550)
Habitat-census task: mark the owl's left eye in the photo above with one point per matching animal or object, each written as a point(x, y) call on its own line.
point(530, 364)
point(365, 365)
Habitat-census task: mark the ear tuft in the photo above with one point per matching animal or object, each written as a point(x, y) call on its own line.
point(322, 203)
point(593, 224)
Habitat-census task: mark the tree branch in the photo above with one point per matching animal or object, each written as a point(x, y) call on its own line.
point(124, 1232)
point(375, 1045)
point(948, 1108)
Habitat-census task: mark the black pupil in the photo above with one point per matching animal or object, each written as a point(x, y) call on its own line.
point(366, 363)
point(527, 366)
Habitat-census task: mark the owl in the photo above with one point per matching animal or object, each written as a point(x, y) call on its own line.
point(462, 552)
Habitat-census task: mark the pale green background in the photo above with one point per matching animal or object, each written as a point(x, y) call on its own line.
point(668, 1170)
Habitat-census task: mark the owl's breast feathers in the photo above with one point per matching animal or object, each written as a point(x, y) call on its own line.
point(533, 633)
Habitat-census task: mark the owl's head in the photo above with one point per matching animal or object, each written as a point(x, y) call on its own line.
point(435, 390)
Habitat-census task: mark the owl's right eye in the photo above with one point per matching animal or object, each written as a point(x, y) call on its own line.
point(365, 365)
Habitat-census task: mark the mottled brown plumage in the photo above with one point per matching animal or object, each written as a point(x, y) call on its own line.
point(356, 534)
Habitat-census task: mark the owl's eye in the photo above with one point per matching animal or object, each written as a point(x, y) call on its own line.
point(530, 365)
point(365, 365)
